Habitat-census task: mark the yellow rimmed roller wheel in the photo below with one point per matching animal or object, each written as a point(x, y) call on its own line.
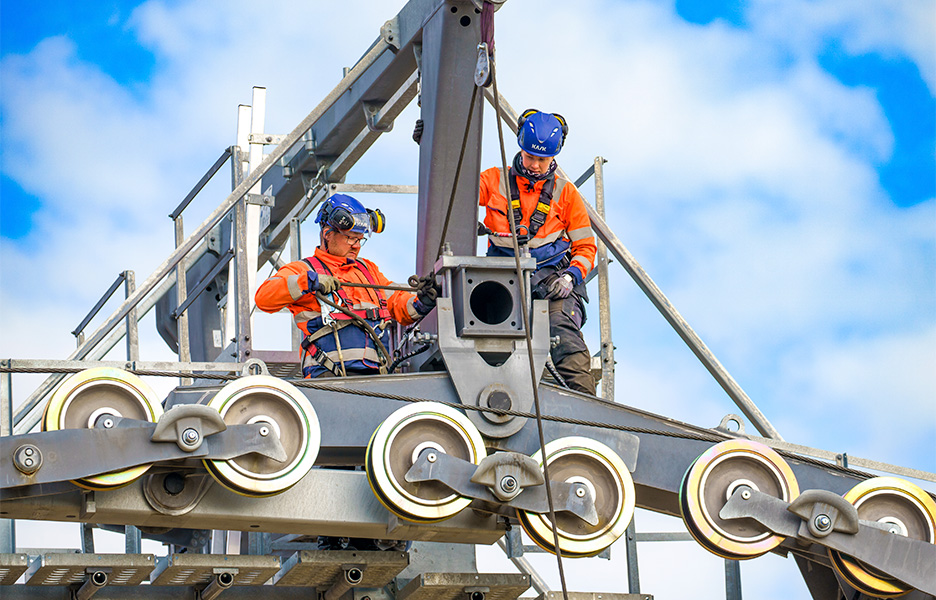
point(907, 508)
point(86, 397)
point(714, 477)
point(289, 416)
point(593, 464)
point(397, 444)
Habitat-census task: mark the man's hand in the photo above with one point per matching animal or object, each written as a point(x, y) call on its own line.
point(427, 292)
point(561, 287)
point(322, 283)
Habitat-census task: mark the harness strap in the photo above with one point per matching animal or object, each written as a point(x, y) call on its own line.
point(382, 313)
point(540, 212)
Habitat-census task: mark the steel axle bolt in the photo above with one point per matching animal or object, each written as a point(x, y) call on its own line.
point(823, 522)
point(508, 483)
point(746, 494)
point(580, 491)
point(108, 423)
point(264, 431)
point(431, 457)
point(190, 436)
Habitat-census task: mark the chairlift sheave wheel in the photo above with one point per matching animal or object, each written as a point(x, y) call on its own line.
point(289, 415)
point(894, 501)
point(714, 477)
point(85, 397)
point(583, 460)
point(396, 445)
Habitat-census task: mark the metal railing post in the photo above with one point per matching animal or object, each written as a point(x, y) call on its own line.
point(7, 526)
point(732, 579)
point(295, 253)
point(633, 568)
point(604, 294)
point(182, 324)
point(133, 335)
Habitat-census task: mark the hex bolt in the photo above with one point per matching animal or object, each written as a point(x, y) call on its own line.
point(508, 483)
point(190, 436)
point(823, 522)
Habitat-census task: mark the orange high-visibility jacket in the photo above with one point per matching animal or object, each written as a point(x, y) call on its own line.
point(567, 227)
point(289, 288)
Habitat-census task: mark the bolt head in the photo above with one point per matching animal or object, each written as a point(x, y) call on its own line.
point(508, 483)
point(431, 457)
point(190, 436)
point(264, 431)
point(823, 522)
point(108, 423)
point(580, 491)
point(746, 494)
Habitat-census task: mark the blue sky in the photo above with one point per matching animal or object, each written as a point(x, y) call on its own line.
point(771, 165)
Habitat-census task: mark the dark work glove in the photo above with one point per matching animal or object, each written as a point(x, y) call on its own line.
point(427, 292)
point(561, 287)
point(418, 130)
point(322, 283)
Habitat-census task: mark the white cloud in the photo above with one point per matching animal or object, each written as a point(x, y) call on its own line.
point(892, 29)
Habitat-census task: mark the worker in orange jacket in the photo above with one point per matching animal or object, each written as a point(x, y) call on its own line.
point(335, 342)
point(553, 224)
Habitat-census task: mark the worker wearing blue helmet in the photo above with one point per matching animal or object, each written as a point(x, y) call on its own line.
point(350, 338)
point(552, 223)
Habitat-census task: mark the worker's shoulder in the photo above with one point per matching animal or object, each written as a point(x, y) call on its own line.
point(491, 173)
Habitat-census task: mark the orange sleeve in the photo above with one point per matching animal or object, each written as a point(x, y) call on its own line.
point(578, 228)
point(285, 287)
point(490, 181)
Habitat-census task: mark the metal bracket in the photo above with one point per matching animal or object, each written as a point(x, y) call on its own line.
point(260, 199)
point(187, 425)
point(457, 474)
point(506, 474)
point(910, 561)
point(390, 32)
point(372, 116)
point(265, 138)
point(824, 512)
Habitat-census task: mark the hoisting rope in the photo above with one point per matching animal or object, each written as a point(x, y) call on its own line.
point(489, 37)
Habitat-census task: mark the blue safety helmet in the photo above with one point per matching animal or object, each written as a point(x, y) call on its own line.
point(346, 214)
point(541, 134)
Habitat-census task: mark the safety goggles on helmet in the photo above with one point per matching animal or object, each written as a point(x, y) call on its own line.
point(345, 214)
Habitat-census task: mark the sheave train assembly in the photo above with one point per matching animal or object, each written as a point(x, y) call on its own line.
point(242, 467)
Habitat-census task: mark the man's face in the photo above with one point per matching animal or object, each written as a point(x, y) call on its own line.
point(535, 164)
point(342, 244)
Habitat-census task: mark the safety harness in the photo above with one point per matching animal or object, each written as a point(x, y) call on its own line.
point(538, 218)
point(342, 320)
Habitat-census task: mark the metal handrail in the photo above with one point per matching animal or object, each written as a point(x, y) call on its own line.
point(202, 182)
point(110, 292)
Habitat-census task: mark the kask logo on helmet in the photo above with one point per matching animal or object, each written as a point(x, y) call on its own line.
point(540, 148)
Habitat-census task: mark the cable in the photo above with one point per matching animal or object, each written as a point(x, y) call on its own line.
point(529, 343)
point(362, 324)
point(555, 373)
point(408, 355)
